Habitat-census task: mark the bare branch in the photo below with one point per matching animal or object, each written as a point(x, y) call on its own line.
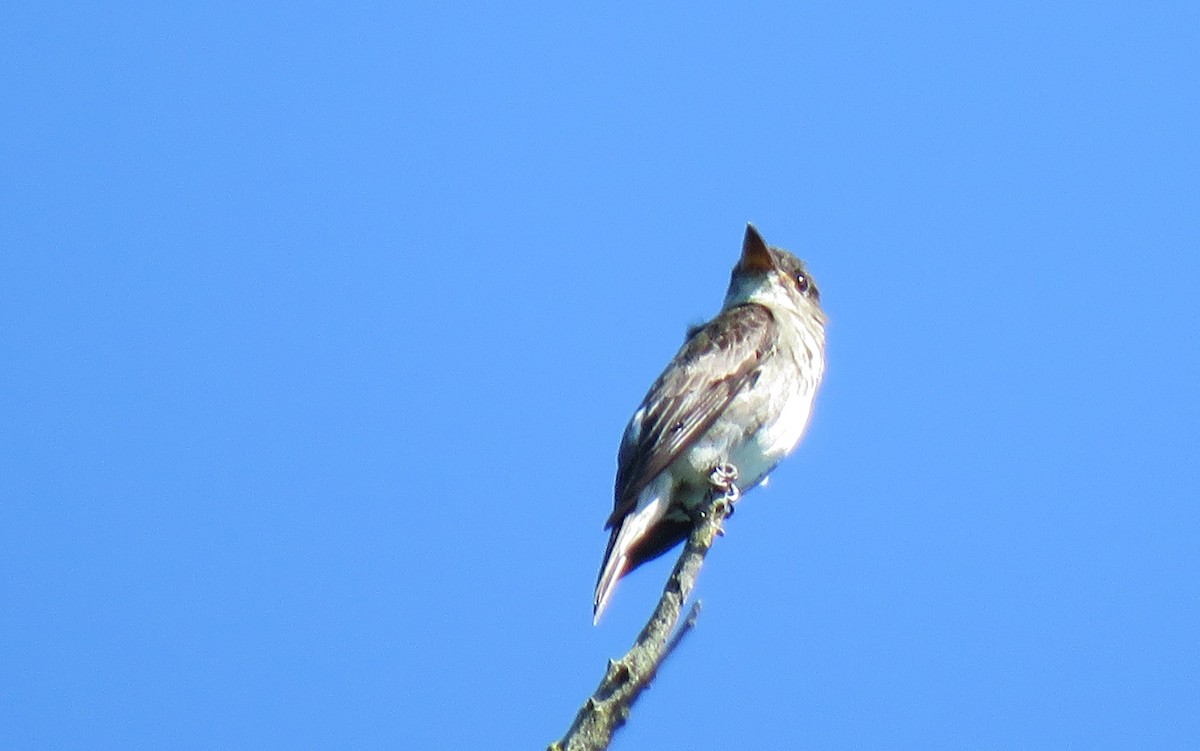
point(626, 678)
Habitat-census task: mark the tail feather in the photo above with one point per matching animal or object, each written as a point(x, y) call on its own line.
point(625, 537)
point(614, 568)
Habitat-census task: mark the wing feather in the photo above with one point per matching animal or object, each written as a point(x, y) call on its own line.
point(717, 361)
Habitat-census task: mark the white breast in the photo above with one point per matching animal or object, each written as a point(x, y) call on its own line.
point(800, 366)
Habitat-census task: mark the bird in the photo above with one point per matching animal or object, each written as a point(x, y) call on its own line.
point(733, 402)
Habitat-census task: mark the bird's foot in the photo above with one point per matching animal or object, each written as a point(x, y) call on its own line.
point(724, 477)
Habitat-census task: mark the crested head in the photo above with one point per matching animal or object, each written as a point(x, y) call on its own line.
point(771, 276)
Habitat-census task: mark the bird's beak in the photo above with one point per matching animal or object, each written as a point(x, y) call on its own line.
point(755, 256)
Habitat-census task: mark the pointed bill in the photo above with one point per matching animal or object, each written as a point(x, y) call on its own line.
point(756, 257)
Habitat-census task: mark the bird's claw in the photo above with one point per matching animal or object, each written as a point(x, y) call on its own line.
point(724, 477)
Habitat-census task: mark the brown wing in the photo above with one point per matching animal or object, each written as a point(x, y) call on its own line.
point(716, 362)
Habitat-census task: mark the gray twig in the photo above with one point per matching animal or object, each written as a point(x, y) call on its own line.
point(624, 680)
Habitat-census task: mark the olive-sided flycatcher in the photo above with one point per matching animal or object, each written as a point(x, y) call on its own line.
point(732, 403)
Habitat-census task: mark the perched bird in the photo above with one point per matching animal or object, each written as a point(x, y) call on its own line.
point(732, 403)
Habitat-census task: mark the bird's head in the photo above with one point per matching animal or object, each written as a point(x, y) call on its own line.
point(771, 276)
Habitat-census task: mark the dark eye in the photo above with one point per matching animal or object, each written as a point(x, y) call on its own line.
point(802, 283)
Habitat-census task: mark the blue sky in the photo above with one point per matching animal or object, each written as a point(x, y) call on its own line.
point(320, 325)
